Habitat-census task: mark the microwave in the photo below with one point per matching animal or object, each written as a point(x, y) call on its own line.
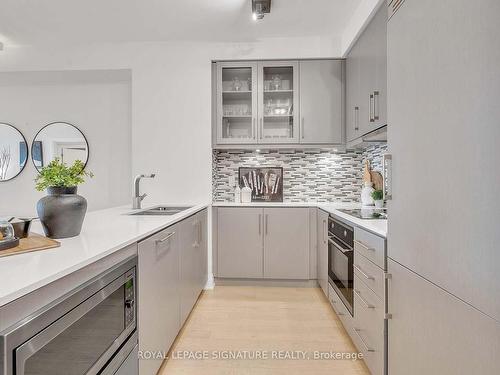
point(80, 333)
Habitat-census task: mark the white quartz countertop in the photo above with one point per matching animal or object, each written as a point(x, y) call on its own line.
point(378, 227)
point(103, 232)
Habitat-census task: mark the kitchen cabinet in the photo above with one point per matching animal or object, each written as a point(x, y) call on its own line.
point(193, 250)
point(433, 332)
point(366, 82)
point(240, 243)
point(321, 101)
point(286, 243)
point(279, 103)
point(454, 246)
point(271, 243)
point(322, 243)
point(172, 271)
point(236, 120)
point(158, 293)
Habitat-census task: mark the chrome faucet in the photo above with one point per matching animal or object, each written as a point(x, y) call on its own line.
point(136, 201)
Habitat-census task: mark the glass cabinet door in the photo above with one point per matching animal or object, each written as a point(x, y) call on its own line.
point(278, 102)
point(237, 103)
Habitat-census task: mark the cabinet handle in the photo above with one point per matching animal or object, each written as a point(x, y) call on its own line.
point(367, 305)
point(302, 128)
point(266, 220)
point(200, 233)
point(166, 238)
point(365, 275)
point(367, 348)
point(367, 248)
point(261, 127)
point(376, 101)
point(253, 128)
point(356, 118)
point(260, 223)
point(337, 312)
point(325, 240)
point(371, 108)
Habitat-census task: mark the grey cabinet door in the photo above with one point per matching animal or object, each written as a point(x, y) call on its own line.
point(353, 87)
point(433, 332)
point(286, 243)
point(193, 266)
point(321, 101)
point(322, 228)
point(158, 294)
point(443, 95)
point(240, 243)
point(366, 79)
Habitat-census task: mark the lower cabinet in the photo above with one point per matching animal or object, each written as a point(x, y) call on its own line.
point(271, 243)
point(286, 243)
point(367, 331)
point(433, 332)
point(172, 271)
point(240, 243)
point(193, 266)
point(158, 294)
point(322, 258)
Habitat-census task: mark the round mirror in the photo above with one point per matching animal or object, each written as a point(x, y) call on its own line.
point(59, 140)
point(13, 152)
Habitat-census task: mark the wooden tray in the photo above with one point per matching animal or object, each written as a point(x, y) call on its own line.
point(34, 242)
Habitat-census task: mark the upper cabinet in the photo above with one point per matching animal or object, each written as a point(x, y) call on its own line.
point(278, 103)
point(321, 101)
point(366, 71)
point(236, 103)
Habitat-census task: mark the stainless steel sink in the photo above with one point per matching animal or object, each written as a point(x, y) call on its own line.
point(161, 211)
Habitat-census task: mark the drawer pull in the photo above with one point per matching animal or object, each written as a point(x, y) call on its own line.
point(367, 305)
point(338, 312)
point(365, 275)
point(366, 247)
point(165, 238)
point(367, 348)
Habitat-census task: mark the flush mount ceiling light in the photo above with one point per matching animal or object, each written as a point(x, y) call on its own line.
point(260, 8)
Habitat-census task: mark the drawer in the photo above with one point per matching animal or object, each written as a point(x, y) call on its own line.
point(339, 308)
point(370, 246)
point(367, 330)
point(370, 274)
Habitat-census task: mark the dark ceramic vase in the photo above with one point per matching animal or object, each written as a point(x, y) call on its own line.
point(62, 212)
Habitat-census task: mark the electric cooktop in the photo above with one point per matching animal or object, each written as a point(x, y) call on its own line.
point(368, 213)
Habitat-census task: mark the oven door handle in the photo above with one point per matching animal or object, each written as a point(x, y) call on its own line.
point(32, 346)
point(343, 250)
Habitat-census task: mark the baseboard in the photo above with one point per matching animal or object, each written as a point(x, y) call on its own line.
point(266, 282)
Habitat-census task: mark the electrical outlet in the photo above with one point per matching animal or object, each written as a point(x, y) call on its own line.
point(232, 181)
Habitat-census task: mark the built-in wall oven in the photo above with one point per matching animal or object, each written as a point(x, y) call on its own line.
point(340, 261)
point(91, 330)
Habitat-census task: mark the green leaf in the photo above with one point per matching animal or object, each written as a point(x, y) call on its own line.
point(57, 174)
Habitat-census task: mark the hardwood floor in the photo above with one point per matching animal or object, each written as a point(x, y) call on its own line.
point(262, 320)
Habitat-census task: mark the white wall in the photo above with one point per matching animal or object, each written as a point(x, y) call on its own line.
point(100, 110)
point(171, 100)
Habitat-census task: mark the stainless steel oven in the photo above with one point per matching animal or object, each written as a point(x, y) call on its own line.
point(91, 330)
point(340, 261)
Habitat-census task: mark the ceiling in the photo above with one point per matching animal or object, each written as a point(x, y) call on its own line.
point(94, 21)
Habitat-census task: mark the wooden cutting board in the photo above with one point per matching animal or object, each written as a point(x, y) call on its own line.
point(377, 179)
point(34, 242)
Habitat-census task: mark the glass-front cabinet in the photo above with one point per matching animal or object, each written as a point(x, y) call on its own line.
point(257, 102)
point(237, 102)
point(278, 102)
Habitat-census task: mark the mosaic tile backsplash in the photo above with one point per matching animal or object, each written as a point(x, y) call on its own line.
point(321, 176)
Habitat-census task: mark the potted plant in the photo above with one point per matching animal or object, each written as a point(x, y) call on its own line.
point(62, 211)
point(378, 198)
